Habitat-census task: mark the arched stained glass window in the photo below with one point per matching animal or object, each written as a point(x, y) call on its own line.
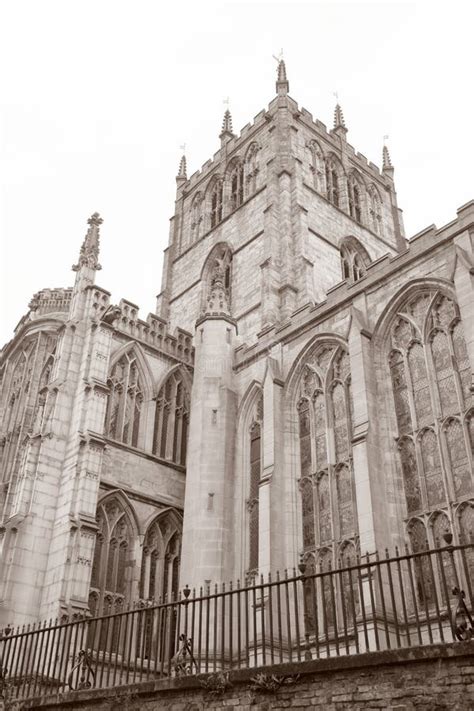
point(122, 420)
point(400, 392)
point(171, 420)
point(111, 575)
point(430, 373)
point(424, 583)
point(255, 474)
point(325, 434)
point(410, 475)
point(459, 458)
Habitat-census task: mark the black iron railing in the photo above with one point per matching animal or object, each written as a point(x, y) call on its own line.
point(368, 604)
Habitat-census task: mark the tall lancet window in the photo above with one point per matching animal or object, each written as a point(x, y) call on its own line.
point(216, 199)
point(160, 561)
point(125, 400)
point(255, 471)
point(328, 507)
point(332, 181)
point(171, 420)
point(325, 432)
point(433, 406)
point(112, 567)
point(236, 185)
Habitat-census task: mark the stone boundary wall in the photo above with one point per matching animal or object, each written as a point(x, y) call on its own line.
point(431, 678)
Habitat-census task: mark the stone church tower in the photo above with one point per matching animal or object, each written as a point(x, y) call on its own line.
point(304, 388)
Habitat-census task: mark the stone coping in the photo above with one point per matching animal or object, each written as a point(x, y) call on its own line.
point(149, 689)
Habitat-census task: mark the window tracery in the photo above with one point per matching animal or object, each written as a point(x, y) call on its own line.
point(325, 433)
point(172, 420)
point(428, 366)
point(255, 472)
point(216, 202)
point(125, 400)
point(236, 185)
point(160, 558)
point(112, 565)
point(354, 259)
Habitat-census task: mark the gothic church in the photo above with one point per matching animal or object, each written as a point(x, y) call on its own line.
point(305, 386)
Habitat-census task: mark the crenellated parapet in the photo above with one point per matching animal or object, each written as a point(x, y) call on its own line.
point(50, 300)
point(123, 317)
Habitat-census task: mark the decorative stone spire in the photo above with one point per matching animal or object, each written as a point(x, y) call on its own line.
point(339, 123)
point(89, 254)
point(226, 134)
point(282, 83)
point(182, 174)
point(387, 166)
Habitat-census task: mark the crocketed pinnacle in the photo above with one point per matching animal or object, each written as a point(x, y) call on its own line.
point(282, 83)
point(227, 123)
point(339, 117)
point(387, 162)
point(182, 174)
point(89, 254)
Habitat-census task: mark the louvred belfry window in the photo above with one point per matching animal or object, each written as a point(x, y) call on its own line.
point(216, 202)
point(236, 186)
point(171, 420)
point(125, 400)
point(433, 407)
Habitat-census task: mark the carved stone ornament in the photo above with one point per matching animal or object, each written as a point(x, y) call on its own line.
point(89, 254)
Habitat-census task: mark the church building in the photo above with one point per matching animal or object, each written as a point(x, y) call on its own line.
point(304, 388)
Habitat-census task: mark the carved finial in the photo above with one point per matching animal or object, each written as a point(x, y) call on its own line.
point(89, 254)
point(182, 175)
point(282, 83)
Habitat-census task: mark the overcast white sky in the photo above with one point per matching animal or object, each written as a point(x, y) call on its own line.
point(97, 96)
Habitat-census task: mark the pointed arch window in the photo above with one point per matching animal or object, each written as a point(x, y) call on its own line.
point(236, 186)
point(428, 366)
point(354, 259)
point(332, 181)
point(255, 472)
point(161, 554)
point(125, 400)
point(325, 433)
point(216, 200)
point(172, 420)
point(112, 567)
